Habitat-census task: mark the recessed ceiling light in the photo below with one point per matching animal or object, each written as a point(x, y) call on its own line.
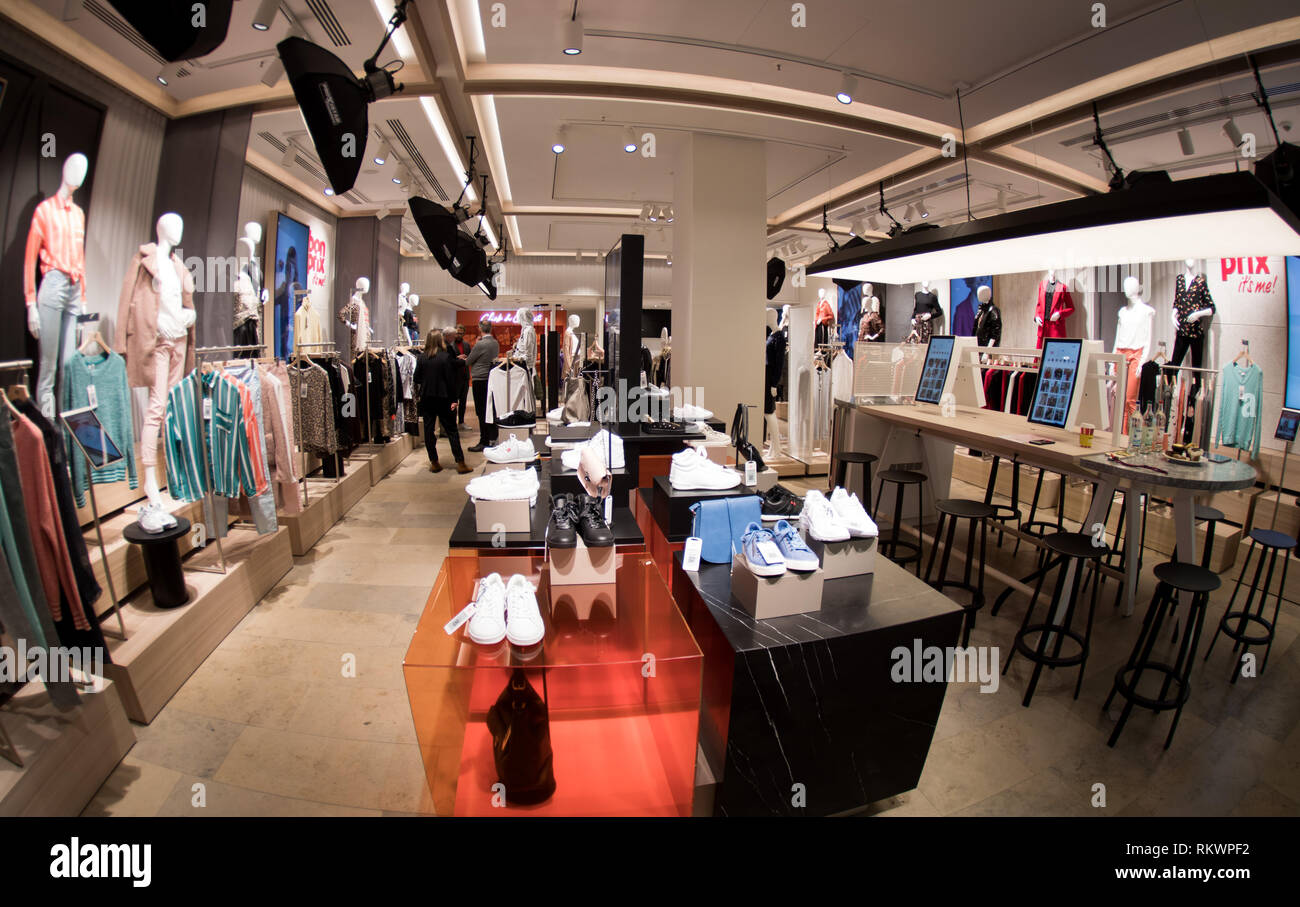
point(848, 86)
point(629, 140)
point(557, 143)
point(265, 14)
point(573, 37)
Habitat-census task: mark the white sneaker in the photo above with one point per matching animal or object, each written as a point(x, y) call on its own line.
point(601, 442)
point(819, 520)
point(511, 450)
point(153, 519)
point(852, 514)
point(692, 470)
point(488, 625)
point(689, 412)
point(556, 415)
point(505, 485)
point(524, 625)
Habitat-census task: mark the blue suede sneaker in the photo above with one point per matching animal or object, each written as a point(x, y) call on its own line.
point(761, 551)
point(797, 555)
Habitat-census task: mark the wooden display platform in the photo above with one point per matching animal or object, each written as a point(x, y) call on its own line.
point(67, 755)
point(384, 459)
point(165, 646)
point(114, 496)
point(816, 463)
point(786, 467)
point(327, 503)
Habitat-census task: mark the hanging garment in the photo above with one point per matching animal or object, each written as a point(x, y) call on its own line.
point(842, 377)
point(1148, 378)
point(1241, 396)
point(56, 241)
point(356, 316)
point(988, 325)
point(234, 444)
point(279, 437)
point(1133, 361)
point(1189, 299)
point(1052, 300)
point(371, 401)
point(186, 474)
point(307, 326)
point(825, 313)
point(316, 421)
point(509, 390)
point(525, 348)
point(107, 375)
point(261, 507)
point(927, 303)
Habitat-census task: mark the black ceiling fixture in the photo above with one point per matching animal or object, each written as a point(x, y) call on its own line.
point(835, 246)
point(333, 101)
point(775, 276)
point(1119, 180)
point(458, 252)
point(177, 30)
point(897, 228)
point(1278, 170)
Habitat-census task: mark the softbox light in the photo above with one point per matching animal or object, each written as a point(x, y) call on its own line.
point(439, 227)
point(170, 28)
point(775, 276)
point(469, 262)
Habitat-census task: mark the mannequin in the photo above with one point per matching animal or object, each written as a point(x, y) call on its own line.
point(1133, 338)
point(357, 316)
point(403, 306)
point(250, 295)
point(1053, 307)
point(927, 315)
point(1192, 311)
point(306, 322)
point(56, 241)
point(872, 326)
point(572, 347)
point(824, 318)
point(988, 319)
point(155, 331)
point(526, 346)
point(410, 322)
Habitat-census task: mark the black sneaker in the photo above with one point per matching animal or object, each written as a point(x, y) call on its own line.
point(561, 531)
point(591, 522)
point(780, 504)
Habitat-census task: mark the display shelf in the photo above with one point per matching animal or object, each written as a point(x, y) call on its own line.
point(619, 671)
point(67, 753)
point(466, 539)
point(165, 645)
point(565, 481)
point(812, 696)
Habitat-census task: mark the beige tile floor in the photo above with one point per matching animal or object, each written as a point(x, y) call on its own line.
point(269, 725)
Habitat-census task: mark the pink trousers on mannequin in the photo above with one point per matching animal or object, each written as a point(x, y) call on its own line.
point(1134, 360)
point(168, 363)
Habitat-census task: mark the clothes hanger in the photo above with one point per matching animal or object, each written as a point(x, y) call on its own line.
point(95, 338)
point(1245, 351)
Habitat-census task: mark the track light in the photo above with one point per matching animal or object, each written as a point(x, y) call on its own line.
point(909, 212)
point(671, 215)
point(1232, 132)
point(557, 144)
point(573, 37)
point(855, 228)
point(274, 71)
point(1002, 201)
point(629, 140)
point(381, 156)
point(265, 14)
point(873, 223)
point(1185, 142)
point(645, 212)
point(848, 87)
point(290, 155)
point(654, 213)
point(922, 210)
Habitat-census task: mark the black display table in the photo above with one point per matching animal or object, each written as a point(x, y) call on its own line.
point(565, 481)
point(810, 699)
point(162, 561)
point(465, 533)
point(672, 508)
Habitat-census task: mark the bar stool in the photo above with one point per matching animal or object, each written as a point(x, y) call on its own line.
point(889, 545)
point(1004, 513)
point(1270, 543)
point(842, 461)
point(1172, 578)
point(1063, 550)
point(1212, 516)
point(1041, 528)
point(950, 511)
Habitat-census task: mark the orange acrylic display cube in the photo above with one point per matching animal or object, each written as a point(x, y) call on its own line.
point(620, 673)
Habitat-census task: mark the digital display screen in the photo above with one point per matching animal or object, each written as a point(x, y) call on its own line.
point(88, 432)
point(289, 278)
point(1286, 425)
point(1292, 396)
point(1057, 373)
point(938, 356)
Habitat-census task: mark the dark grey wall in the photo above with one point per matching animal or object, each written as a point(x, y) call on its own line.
point(200, 178)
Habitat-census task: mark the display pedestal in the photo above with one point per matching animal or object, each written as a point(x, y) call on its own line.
point(840, 559)
point(503, 516)
point(489, 468)
point(672, 508)
point(779, 596)
point(582, 566)
point(766, 479)
point(162, 562)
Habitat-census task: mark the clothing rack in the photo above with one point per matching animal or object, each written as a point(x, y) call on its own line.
point(330, 353)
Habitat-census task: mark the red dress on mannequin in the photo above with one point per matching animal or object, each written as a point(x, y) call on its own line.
point(1043, 311)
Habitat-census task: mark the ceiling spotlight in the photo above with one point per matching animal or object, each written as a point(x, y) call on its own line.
point(670, 215)
point(329, 190)
point(909, 212)
point(670, 260)
point(1185, 142)
point(1232, 132)
point(265, 14)
point(922, 210)
point(557, 143)
point(654, 213)
point(381, 156)
point(167, 73)
point(274, 70)
point(573, 36)
point(848, 87)
point(645, 212)
point(629, 140)
point(1002, 201)
point(855, 228)
point(577, 256)
point(290, 155)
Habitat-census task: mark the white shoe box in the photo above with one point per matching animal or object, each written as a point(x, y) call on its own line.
point(503, 516)
point(839, 559)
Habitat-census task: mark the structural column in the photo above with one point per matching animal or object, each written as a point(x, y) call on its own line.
point(719, 244)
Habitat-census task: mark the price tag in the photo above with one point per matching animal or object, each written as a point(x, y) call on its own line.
point(459, 620)
point(691, 554)
point(302, 390)
point(770, 552)
point(92, 396)
point(609, 510)
point(207, 409)
point(751, 473)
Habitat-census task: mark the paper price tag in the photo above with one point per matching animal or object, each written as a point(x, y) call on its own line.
point(207, 408)
point(92, 396)
point(609, 510)
point(691, 554)
point(302, 390)
point(459, 620)
point(770, 552)
point(751, 473)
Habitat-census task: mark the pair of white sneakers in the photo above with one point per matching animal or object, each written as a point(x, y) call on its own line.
point(506, 610)
point(511, 450)
point(692, 470)
point(154, 519)
point(505, 485)
point(835, 520)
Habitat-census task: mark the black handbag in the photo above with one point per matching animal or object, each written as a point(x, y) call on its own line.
point(521, 741)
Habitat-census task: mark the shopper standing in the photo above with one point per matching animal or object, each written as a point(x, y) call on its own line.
point(437, 381)
point(481, 358)
point(460, 349)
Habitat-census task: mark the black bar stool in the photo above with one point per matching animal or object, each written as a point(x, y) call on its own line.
point(842, 461)
point(889, 545)
point(1271, 544)
point(1063, 550)
point(950, 511)
point(1172, 578)
point(1040, 528)
point(1212, 516)
point(1004, 513)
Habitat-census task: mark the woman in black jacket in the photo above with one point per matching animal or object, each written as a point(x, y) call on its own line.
point(437, 382)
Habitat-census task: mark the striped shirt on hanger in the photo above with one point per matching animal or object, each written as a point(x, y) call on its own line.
point(186, 480)
point(57, 241)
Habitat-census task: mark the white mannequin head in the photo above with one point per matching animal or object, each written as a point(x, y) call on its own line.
point(821, 293)
point(983, 294)
point(363, 285)
point(247, 249)
point(1051, 276)
point(404, 289)
point(875, 304)
point(170, 228)
point(74, 170)
point(663, 335)
point(413, 299)
point(1132, 288)
point(573, 322)
point(1193, 266)
point(868, 290)
point(925, 286)
point(771, 319)
point(521, 316)
point(253, 232)
point(785, 315)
